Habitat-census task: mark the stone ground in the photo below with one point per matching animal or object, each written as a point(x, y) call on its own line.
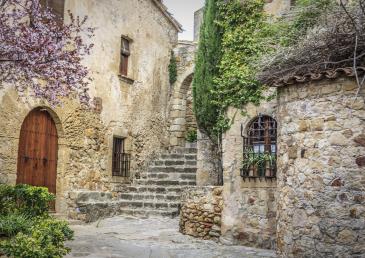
point(131, 237)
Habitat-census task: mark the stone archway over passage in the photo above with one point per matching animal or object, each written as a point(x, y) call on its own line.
point(181, 112)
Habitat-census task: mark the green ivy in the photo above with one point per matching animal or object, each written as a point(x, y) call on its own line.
point(192, 135)
point(235, 36)
point(232, 38)
point(172, 69)
point(26, 229)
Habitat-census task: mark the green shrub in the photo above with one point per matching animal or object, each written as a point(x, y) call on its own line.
point(30, 231)
point(12, 224)
point(29, 200)
point(191, 135)
point(45, 239)
point(172, 69)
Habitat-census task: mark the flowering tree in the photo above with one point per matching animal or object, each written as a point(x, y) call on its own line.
point(41, 56)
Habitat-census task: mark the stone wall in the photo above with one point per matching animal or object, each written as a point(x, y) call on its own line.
point(198, 20)
point(182, 118)
point(321, 207)
point(200, 214)
point(136, 107)
point(208, 160)
point(249, 213)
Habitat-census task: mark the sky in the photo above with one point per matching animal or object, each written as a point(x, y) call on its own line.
point(183, 12)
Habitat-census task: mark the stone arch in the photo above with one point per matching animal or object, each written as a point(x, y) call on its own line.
point(181, 112)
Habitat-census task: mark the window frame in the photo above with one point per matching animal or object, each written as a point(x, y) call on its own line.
point(121, 160)
point(125, 53)
point(260, 148)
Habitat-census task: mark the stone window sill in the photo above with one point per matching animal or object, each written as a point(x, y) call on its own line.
point(126, 79)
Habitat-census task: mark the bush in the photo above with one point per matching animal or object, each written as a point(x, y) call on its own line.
point(12, 224)
point(44, 240)
point(29, 200)
point(24, 219)
point(191, 135)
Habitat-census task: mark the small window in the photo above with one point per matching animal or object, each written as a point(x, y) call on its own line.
point(124, 57)
point(259, 148)
point(121, 160)
point(56, 6)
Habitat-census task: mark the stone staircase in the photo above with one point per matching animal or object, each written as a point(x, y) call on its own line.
point(157, 191)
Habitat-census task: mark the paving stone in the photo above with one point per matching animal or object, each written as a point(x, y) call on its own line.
point(131, 237)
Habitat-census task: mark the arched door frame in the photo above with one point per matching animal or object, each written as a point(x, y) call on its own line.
point(61, 155)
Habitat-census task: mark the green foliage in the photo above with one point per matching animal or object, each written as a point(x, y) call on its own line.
point(258, 159)
point(172, 69)
point(206, 67)
point(192, 135)
point(12, 224)
point(235, 36)
point(29, 200)
point(44, 240)
point(245, 29)
point(24, 220)
point(232, 38)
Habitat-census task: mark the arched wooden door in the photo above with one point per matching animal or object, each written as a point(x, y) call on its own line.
point(37, 154)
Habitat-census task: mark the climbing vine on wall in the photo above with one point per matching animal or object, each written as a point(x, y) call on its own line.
point(172, 69)
point(235, 37)
point(231, 39)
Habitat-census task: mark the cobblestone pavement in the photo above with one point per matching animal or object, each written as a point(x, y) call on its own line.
point(153, 238)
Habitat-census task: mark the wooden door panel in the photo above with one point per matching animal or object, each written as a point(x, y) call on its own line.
point(38, 147)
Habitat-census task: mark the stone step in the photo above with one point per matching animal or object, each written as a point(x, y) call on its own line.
point(184, 151)
point(158, 205)
point(61, 216)
point(170, 176)
point(174, 163)
point(152, 189)
point(162, 182)
point(175, 156)
point(150, 197)
point(146, 213)
point(171, 169)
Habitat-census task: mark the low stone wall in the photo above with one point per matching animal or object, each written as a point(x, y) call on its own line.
point(201, 210)
point(89, 206)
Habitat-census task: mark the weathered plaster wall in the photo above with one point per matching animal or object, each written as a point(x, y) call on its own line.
point(201, 209)
point(249, 211)
point(136, 109)
point(140, 107)
point(321, 165)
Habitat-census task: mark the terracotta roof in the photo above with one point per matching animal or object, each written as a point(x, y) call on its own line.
point(168, 15)
point(326, 74)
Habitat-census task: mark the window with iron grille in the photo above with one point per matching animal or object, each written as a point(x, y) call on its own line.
point(259, 148)
point(121, 160)
point(124, 57)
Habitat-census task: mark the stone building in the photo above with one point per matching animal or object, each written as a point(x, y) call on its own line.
point(293, 170)
point(130, 122)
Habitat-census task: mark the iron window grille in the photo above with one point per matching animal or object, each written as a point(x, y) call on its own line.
point(121, 161)
point(260, 148)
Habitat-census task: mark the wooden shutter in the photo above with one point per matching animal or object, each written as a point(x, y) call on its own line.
point(124, 56)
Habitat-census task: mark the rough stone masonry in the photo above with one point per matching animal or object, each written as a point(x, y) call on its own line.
point(321, 174)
